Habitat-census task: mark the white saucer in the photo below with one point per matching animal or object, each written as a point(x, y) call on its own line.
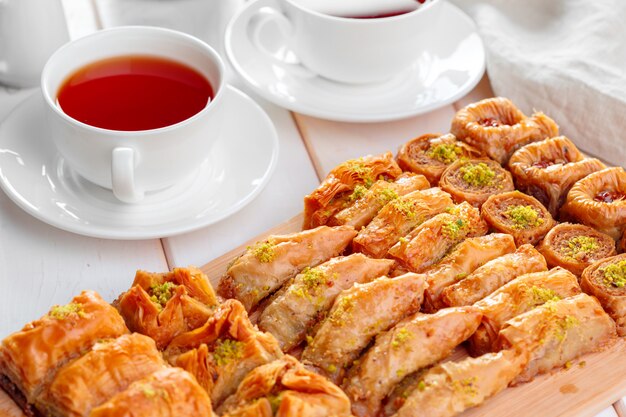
point(453, 65)
point(38, 180)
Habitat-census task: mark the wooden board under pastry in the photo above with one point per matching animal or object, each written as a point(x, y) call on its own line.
point(578, 391)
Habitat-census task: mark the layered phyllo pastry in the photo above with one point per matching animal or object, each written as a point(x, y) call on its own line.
point(452, 387)
point(493, 275)
point(268, 264)
point(366, 203)
point(311, 294)
point(284, 388)
point(519, 215)
point(575, 247)
point(429, 242)
point(548, 169)
point(357, 316)
point(606, 280)
point(474, 180)
point(558, 332)
point(522, 294)
point(431, 154)
point(222, 352)
point(497, 127)
point(418, 341)
point(164, 305)
point(166, 392)
point(398, 218)
point(31, 357)
point(599, 201)
point(335, 192)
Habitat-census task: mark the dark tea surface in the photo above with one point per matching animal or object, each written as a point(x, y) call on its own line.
point(134, 93)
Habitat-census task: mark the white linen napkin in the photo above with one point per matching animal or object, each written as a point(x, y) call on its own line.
point(564, 57)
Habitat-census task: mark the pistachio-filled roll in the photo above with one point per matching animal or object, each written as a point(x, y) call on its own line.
point(366, 203)
point(166, 392)
point(221, 352)
point(432, 153)
point(312, 293)
point(492, 275)
point(497, 127)
point(519, 215)
point(30, 358)
point(558, 332)
point(599, 201)
point(357, 316)
point(414, 343)
point(164, 305)
point(284, 388)
point(333, 194)
point(398, 218)
point(268, 264)
point(430, 241)
point(575, 247)
point(474, 180)
point(548, 169)
point(519, 296)
point(462, 261)
point(450, 388)
point(606, 280)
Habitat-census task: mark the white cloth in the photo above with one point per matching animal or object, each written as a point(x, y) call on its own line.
point(564, 57)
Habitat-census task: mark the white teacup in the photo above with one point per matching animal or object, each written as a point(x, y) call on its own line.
point(134, 162)
point(343, 49)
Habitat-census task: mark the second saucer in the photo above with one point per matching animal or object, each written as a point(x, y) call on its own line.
point(452, 65)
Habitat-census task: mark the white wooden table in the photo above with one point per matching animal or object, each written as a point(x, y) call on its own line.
point(41, 266)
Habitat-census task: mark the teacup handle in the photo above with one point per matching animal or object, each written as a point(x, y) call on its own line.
point(123, 162)
point(262, 15)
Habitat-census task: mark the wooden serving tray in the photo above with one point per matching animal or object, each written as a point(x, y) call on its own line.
point(590, 385)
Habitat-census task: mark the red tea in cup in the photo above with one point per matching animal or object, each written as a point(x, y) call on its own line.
point(134, 92)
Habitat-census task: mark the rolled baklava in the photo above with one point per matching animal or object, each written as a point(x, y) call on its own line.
point(284, 388)
point(268, 264)
point(474, 180)
point(548, 169)
point(519, 215)
point(497, 127)
point(164, 305)
point(431, 154)
point(335, 192)
point(599, 201)
point(606, 280)
point(575, 247)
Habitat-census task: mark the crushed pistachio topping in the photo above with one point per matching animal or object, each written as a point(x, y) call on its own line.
point(344, 307)
point(568, 364)
point(403, 240)
point(615, 274)
point(147, 390)
point(387, 194)
point(405, 207)
point(445, 152)
point(563, 325)
point(582, 364)
point(362, 171)
point(275, 401)
point(161, 293)
point(309, 339)
point(227, 350)
point(523, 217)
point(312, 281)
point(400, 373)
point(466, 386)
point(454, 229)
point(264, 251)
point(421, 386)
point(331, 368)
point(359, 192)
point(460, 276)
point(63, 312)
point(400, 337)
point(540, 295)
point(580, 246)
point(477, 175)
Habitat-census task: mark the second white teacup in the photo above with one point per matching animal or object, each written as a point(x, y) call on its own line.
point(343, 49)
point(132, 162)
